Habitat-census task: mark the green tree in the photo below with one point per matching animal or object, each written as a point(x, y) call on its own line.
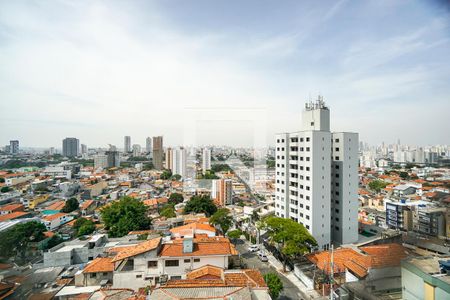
point(16, 240)
point(125, 215)
point(292, 238)
point(404, 175)
point(176, 177)
point(222, 218)
point(84, 226)
point(71, 205)
point(377, 185)
point(176, 198)
point(51, 242)
point(200, 204)
point(2, 180)
point(166, 174)
point(168, 211)
point(234, 235)
point(148, 167)
point(5, 189)
point(274, 284)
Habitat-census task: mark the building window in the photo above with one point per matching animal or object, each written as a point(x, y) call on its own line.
point(175, 277)
point(307, 159)
point(312, 123)
point(308, 149)
point(336, 140)
point(196, 259)
point(104, 273)
point(336, 158)
point(93, 275)
point(152, 264)
point(336, 149)
point(138, 276)
point(307, 139)
point(307, 226)
point(301, 139)
point(172, 263)
point(307, 207)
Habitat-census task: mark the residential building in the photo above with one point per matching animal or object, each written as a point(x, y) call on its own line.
point(127, 144)
point(304, 189)
point(14, 147)
point(178, 157)
point(169, 159)
point(113, 158)
point(158, 152)
point(10, 208)
point(54, 221)
point(426, 278)
point(430, 221)
point(210, 282)
point(148, 145)
point(97, 272)
point(84, 149)
point(71, 147)
point(100, 161)
point(222, 191)
point(206, 160)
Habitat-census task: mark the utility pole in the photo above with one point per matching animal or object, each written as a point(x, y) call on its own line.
point(332, 273)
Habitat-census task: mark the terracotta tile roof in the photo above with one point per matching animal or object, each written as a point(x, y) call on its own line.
point(12, 207)
point(193, 227)
point(4, 266)
point(58, 205)
point(202, 247)
point(148, 231)
point(12, 216)
point(206, 272)
point(53, 217)
point(386, 255)
point(215, 276)
point(100, 264)
point(86, 204)
point(204, 220)
point(341, 256)
point(49, 234)
point(137, 249)
point(150, 202)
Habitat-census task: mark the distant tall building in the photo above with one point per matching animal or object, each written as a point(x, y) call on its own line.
point(136, 150)
point(206, 160)
point(127, 144)
point(14, 147)
point(71, 147)
point(168, 159)
point(317, 178)
point(222, 192)
point(179, 161)
point(158, 152)
point(148, 145)
point(113, 158)
point(84, 149)
point(100, 161)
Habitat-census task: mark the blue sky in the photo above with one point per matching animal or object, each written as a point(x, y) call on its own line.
point(229, 70)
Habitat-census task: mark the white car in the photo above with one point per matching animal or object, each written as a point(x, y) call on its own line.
point(262, 257)
point(253, 248)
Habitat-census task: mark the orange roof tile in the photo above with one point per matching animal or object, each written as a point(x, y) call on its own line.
point(137, 249)
point(206, 272)
point(194, 227)
point(100, 264)
point(53, 217)
point(12, 216)
point(385, 255)
point(58, 205)
point(86, 204)
point(341, 256)
point(49, 233)
point(12, 207)
point(202, 247)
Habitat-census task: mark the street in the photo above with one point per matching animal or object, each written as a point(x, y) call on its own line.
point(290, 291)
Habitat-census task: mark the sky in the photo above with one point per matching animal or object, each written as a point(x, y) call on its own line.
point(222, 72)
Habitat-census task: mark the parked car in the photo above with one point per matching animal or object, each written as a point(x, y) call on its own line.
point(262, 257)
point(253, 248)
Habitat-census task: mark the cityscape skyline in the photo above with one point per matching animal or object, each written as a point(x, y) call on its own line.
point(377, 64)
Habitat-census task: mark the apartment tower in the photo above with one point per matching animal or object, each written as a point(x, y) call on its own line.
point(317, 179)
point(71, 147)
point(206, 160)
point(127, 144)
point(158, 152)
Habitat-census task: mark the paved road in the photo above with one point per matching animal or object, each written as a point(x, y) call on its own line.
point(290, 291)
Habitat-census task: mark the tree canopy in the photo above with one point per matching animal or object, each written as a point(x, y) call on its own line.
point(293, 238)
point(71, 205)
point(200, 204)
point(125, 215)
point(377, 185)
point(84, 226)
point(166, 174)
point(168, 211)
point(274, 284)
point(15, 240)
point(176, 198)
point(222, 218)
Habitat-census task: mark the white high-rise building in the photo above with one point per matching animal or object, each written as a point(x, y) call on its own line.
point(100, 161)
point(14, 147)
point(305, 191)
point(148, 145)
point(178, 157)
point(206, 160)
point(127, 143)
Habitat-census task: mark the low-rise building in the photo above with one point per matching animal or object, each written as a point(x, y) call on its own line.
point(54, 221)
